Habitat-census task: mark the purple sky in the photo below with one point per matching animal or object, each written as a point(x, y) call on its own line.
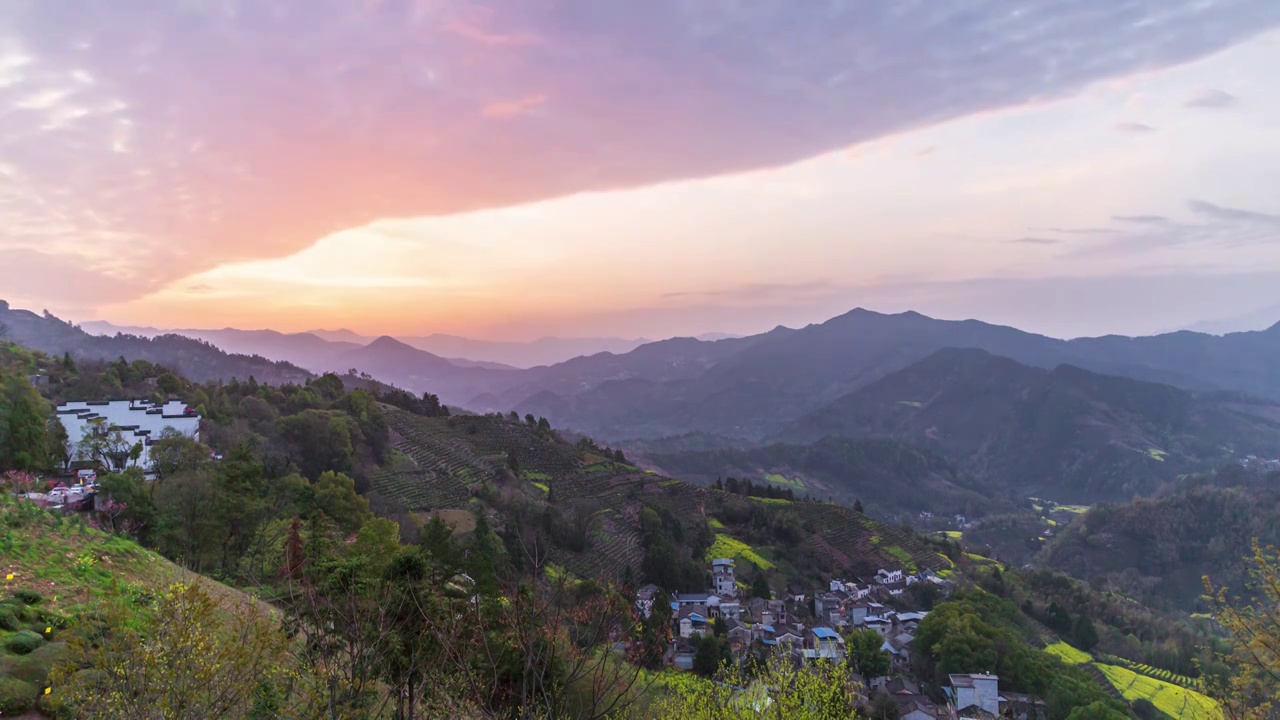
point(638, 168)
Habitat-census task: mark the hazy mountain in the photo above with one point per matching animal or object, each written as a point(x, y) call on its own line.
point(196, 359)
point(460, 350)
point(1260, 319)
point(768, 381)
point(1071, 434)
point(544, 351)
point(342, 335)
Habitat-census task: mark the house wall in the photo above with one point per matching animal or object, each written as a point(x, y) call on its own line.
point(77, 414)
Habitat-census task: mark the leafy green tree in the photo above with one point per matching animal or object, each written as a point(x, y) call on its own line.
point(58, 444)
point(172, 453)
point(1254, 627)
point(318, 441)
point(884, 707)
point(334, 494)
point(1083, 634)
point(712, 654)
point(23, 431)
point(760, 587)
point(483, 559)
point(867, 655)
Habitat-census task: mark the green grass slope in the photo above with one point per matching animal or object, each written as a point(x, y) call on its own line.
point(54, 569)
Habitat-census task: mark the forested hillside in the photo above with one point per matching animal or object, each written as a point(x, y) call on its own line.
point(195, 359)
point(888, 477)
point(1157, 550)
point(1067, 433)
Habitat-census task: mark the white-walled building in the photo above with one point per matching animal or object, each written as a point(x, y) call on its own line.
point(139, 421)
point(723, 577)
point(981, 690)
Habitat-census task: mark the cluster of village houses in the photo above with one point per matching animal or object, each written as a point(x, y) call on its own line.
point(812, 626)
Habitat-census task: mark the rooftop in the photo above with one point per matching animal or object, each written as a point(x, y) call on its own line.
point(966, 681)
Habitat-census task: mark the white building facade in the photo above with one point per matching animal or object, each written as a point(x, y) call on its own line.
point(140, 422)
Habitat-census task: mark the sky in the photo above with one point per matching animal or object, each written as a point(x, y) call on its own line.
point(517, 169)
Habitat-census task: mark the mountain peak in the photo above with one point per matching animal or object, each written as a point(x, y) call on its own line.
point(386, 342)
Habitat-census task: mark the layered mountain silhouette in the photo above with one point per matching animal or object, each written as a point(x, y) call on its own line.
point(1074, 434)
point(755, 388)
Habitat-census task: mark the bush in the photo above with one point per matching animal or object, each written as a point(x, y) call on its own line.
point(34, 668)
point(9, 620)
point(24, 642)
point(16, 696)
point(19, 610)
point(28, 597)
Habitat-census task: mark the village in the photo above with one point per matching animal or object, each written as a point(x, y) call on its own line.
point(807, 627)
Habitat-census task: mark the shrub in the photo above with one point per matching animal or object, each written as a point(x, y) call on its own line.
point(34, 668)
point(16, 696)
point(9, 620)
point(24, 642)
point(28, 597)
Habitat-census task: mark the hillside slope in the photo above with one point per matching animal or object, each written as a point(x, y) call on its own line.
point(65, 571)
point(1158, 550)
point(1069, 434)
point(468, 461)
point(888, 477)
point(197, 360)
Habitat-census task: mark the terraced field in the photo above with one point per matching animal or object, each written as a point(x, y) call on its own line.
point(1153, 672)
point(493, 439)
point(853, 536)
point(1175, 701)
point(1068, 654)
point(420, 490)
point(727, 546)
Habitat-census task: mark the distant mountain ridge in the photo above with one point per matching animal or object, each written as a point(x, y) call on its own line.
point(756, 391)
point(1072, 434)
point(464, 351)
point(1262, 319)
point(193, 358)
point(753, 388)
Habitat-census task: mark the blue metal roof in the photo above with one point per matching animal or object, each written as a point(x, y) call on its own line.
point(825, 633)
point(767, 628)
point(695, 617)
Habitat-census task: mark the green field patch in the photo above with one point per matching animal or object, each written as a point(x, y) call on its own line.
point(983, 560)
point(1174, 701)
point(546, 489)
point(1068, 654)
point(902, 556)
point(779, 479)
point(1157, 454)
point(1074, 509)
point(952, 534)
point(911, 403)
point(727, 546)
point(537, 476)
point(772, 501)
point(715, 524)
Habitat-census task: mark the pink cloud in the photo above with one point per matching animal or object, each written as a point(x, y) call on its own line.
point(475, 25)
point(512, 108)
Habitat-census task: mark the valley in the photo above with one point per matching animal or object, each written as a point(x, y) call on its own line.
point(1063, 514)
